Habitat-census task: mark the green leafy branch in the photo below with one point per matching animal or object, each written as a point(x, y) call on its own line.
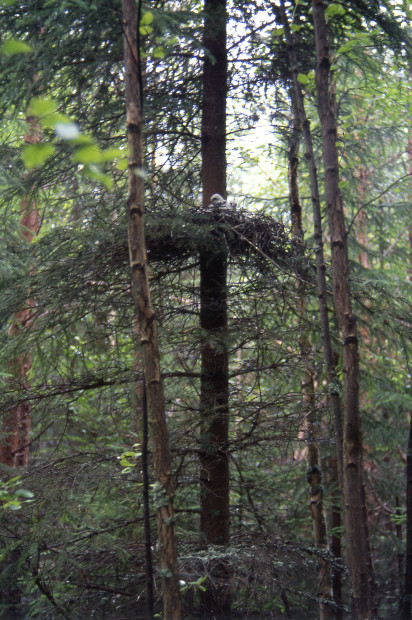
point(11, 497)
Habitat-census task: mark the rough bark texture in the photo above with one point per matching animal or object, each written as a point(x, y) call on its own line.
point(335, 546)
point(314, 474)
point(214, 397)
point(357, 545)
point(15, 443)
point(320, 258)
point(163, 496)
point(334, 397)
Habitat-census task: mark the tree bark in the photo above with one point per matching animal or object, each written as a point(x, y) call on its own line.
point(330, 357)
point(164, 493)
point(320, 258)
point(214, 395)
point(357, 544)
point(314, 473)
point(406, 606)
point(15, 444)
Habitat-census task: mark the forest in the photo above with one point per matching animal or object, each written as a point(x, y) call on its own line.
point(205, 311)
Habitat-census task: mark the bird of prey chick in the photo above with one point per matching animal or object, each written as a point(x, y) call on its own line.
point(218, 202)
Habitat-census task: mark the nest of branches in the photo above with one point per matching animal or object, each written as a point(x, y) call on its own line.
point(234, 231)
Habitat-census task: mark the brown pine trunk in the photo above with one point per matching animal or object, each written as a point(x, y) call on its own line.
point(14, 448)
point(357, 544)
point(164, 493)
point(314, 473)
point(214, 396)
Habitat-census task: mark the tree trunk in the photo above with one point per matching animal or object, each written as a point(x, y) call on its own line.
point(407, 589)
point(320, 258)
point(357, 544)
point(14, 448)
point(214, 396)
point(406, 606)
point(330, 358)
point(314, 473)
point(331, 470)
point(164, 492)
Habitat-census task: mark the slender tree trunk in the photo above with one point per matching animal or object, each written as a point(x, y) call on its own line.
point(335, 546)
point(406, 606)
point(357, 543)
point(314, 473)
point(407, 588)
point(14, 448)
point(164, 492)
point(15, 431)
point(320, 258)
point(214, 396)
point(330, 358)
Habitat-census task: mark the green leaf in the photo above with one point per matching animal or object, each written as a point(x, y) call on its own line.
point(334, 9)
point(145, 30)
point(90, 154)
point(347, 47)
point(147, 18)
point(24, 493)
point(46, 111)
point(158, 52)
point(295, 27)
point(122, 164)
point(42, 107)
point(303, 78)
point(83, 139)
point(111, 154)
point(13, 505)
point(34, 155)
point(14, 46)
point(126, 463)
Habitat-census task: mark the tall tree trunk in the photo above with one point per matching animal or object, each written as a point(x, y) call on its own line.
point(314, 473)
point(357, 544)
point(14, 448)
point(164, 493)
point(320, 257)
point(406, 606)
point(331, 470)
point(322, 291)
point(15, 431)
point(214, 396)
point(405, 611)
